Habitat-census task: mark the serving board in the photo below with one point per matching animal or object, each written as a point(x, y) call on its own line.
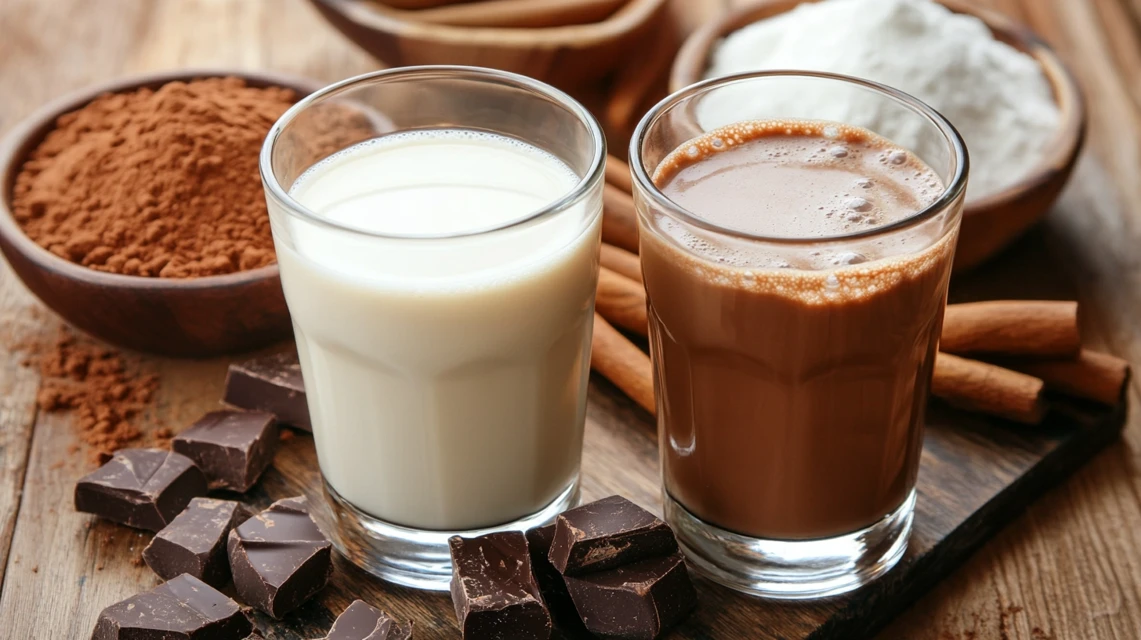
point(976, 473)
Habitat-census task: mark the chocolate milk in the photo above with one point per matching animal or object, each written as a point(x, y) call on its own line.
point(792, 377)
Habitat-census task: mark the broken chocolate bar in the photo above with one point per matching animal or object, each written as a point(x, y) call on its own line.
point(550, 581)
point(608, 533)
point(493, 589)
point(361, 621)
point(232, 448)
point(638, 601)
point(142, 488)
point(279, 558)
point(272, 384)
point(195, 542)
point(184, 607)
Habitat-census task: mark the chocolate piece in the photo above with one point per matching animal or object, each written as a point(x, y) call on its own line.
point(638, 601)
point(608, 533)
point(279, 558)
point(272, 384)
point(551, 584)
point(493, 589)
point(195, 542)
point(143, 488)
point(182, 608)
point(232, 448)
point(363, 622)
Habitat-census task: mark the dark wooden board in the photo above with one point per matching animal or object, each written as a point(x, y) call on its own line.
point(976, 474)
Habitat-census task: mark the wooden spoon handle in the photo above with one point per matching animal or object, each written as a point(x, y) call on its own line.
point(530, 14)
point(418, 4)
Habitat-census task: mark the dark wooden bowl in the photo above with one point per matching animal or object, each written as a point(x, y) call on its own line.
point(989, 223)
point(195, 317)
point(569, 57)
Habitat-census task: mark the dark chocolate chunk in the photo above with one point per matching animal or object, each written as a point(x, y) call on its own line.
point(279, 558)
point(363, 622)
point(143, 488)
point(608, 533)
point(272, 384)
point(195, 542)
point(550, 581)
point(183, 608)
point(493, 589)
point(232, 448)
point(638, 601)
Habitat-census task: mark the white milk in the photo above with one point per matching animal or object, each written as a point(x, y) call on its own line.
point(446, 378)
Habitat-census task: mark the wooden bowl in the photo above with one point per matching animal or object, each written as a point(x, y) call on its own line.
point(992, 222)
point(194, 317)
point(568, 57)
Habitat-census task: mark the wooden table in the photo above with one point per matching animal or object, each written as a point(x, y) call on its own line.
point(1070, 567)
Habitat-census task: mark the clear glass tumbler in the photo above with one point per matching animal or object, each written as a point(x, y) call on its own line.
point(792, 369)
point(445, 370)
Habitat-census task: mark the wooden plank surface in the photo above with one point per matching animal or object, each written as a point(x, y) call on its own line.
point(1068, 568)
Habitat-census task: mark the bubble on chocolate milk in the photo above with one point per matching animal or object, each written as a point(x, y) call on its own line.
point(897, 157)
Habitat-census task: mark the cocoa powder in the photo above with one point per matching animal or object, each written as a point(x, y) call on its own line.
point(155, 182)
point(94, 382)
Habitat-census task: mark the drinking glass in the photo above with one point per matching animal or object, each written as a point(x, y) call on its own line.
point(791, 421)
point(439, 414)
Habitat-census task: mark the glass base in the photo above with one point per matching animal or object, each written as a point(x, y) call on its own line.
point(412, 557)
point(792, 569)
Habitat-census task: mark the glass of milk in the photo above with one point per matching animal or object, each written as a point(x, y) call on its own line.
point(437, 230)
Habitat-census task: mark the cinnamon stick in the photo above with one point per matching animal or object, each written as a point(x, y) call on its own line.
point(618, 174)
point(986, 388)
point(621, 261)
point(622, 363)
point(621, 301)
point(619, 219)
point(1040, 328)
point(1094, 376)
point(968, 384)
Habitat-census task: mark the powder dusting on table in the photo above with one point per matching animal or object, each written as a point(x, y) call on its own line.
point(156, 182)
point(96, 384)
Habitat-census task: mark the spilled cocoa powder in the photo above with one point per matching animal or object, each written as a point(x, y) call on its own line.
point(95, 383)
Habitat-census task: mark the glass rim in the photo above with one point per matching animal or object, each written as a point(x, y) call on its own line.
point(953, 190)
point(576, 194)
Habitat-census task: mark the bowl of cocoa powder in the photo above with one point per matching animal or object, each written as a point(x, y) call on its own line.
point(135, 210)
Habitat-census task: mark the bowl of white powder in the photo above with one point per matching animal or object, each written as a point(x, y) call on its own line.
point(1016, 105)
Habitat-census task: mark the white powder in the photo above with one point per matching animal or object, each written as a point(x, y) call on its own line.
point(997, 97)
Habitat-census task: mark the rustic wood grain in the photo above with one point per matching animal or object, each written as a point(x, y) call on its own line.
point(19, 317)
point(1067, 568)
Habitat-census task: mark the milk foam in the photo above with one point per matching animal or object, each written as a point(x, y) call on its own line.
point(721, 177)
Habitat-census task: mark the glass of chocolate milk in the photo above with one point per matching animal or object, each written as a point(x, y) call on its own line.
point(796, 267)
